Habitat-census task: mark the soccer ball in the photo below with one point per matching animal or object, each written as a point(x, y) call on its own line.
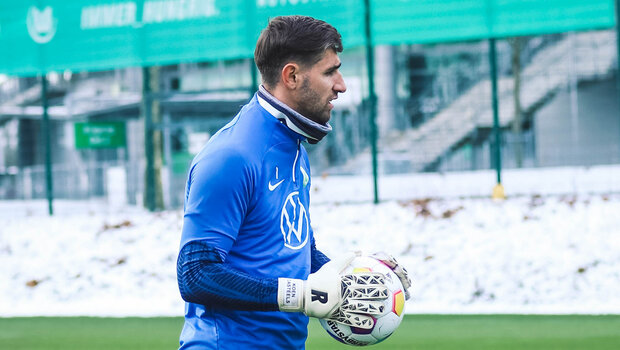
point(385, 324)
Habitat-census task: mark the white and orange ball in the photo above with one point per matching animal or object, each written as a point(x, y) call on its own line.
point(384, 324)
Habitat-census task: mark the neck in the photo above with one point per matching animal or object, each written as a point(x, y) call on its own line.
point(282, 95)
point(313, 131)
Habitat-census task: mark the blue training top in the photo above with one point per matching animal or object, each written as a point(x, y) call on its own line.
point(247, 195)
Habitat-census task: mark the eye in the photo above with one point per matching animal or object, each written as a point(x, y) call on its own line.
point(331, 72)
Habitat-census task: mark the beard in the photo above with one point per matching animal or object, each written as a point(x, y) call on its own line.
point(312, 106)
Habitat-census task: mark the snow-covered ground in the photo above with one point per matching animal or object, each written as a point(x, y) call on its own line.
point(552, 247)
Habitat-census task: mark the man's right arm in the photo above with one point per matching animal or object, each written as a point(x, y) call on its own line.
point(205, 279)
point(219, 192)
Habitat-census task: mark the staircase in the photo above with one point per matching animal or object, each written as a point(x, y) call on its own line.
point(588, 55)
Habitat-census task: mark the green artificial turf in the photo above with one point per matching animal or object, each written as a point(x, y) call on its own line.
point(38, 333)
point(425, 332)
point(481, 332)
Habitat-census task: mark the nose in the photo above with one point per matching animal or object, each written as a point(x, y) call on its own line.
point(339, 85)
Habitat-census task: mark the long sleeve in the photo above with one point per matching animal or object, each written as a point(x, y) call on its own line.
point(204, 279)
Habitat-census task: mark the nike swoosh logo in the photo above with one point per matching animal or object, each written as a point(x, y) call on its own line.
point(274, 186)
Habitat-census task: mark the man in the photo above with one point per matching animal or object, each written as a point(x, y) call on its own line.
point(248, 267)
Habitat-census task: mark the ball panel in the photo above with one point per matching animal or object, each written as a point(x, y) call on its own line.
point(356, 330)
point(335, 328)
point(398, 304)
point(362, 340)
point(335, 337)
point(386, 326)
point(361, 262)
point(344, 335)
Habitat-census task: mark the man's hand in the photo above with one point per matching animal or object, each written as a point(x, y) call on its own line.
point(349, 299)
point(398, 269)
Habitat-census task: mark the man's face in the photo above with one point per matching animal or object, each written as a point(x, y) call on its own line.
point(321, 84)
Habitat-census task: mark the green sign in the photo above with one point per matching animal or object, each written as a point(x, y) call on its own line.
point(57, 35)
point(99, 135)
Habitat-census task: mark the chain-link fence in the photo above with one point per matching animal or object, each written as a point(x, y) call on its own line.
point(434, 114)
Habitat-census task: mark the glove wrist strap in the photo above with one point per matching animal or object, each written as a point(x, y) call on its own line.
point(290, 294)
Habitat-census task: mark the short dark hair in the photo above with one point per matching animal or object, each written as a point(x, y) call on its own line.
point(300, 39)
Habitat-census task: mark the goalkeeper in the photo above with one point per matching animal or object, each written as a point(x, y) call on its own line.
point(248, 267)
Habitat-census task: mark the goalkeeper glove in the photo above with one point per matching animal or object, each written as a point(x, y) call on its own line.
point(348, 299)
point(398, 269)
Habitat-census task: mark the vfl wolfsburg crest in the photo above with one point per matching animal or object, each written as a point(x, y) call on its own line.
point(41, 24)
point(294, 223)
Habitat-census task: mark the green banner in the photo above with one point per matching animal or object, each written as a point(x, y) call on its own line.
point(99, 135)
point(432, 21)
point(57, 35)
point(106, 34)
point(346, 15)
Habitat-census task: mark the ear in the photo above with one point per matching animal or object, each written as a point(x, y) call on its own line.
point(291, 75)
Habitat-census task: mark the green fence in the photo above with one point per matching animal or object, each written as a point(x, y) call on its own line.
point(66, 36)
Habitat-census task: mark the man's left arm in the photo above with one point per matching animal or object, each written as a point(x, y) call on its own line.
point(317, 258)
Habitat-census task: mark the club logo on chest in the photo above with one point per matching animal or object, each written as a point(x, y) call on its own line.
point(294, 222)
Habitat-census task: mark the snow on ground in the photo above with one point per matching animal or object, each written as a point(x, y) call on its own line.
point(552, 247)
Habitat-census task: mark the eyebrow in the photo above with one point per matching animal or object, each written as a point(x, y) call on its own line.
point(333, 68)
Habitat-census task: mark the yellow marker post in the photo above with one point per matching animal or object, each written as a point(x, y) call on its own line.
point(498, 192)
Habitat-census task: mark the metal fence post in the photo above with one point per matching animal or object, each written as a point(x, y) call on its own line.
point(149, 190)
point(618, 48)
point(372, 99)
point(498, 190)
point(250, 18)
point(47, 145)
